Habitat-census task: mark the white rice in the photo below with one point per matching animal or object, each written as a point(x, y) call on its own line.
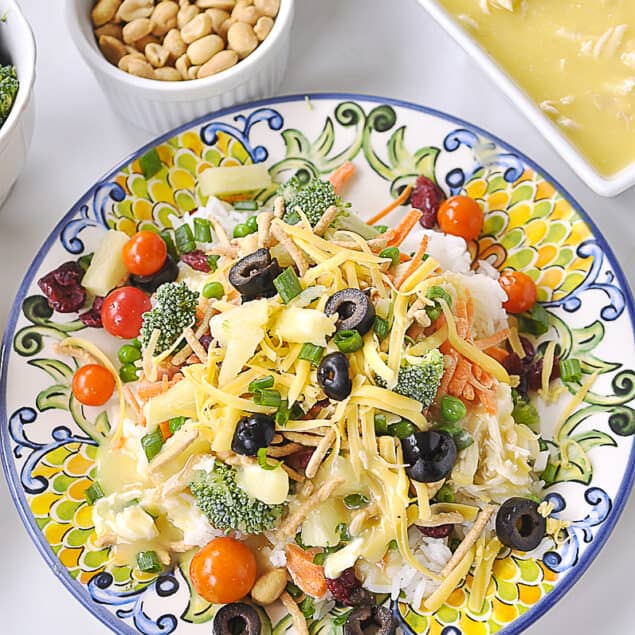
point(449, 251)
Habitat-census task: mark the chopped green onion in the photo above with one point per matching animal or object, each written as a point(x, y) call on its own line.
point(342, 530)
point(176, 423)
point(341, 619)
point(525, 413)
point(169, 243)
point(84, 261)
point(282, 414)
point(128, 373)
point(445, 494)
point(450, 428)
point(392, 253)
point(382, 229)
point(452, 409)
point(296, 412)
point(263, 461)
point(246, 206)
point(267, 397)
point(136, 343)
point(311, 353)
point(381, 425)
point(348, 341)
point(294, 591)
point(152, 443)
point(213, 291)
point(437, 293)
point(570, 370)
point(463, 440)
point(241, 230)
point(320, 558)
point(393, 546)
point(288, 285)
point(202, 230)
point(307, 606)
point(381, 327)
point(184, 239)
point(150, 163)
point(252, 223)
point(401, 429)
point(261, 383)
point(128, 354)
point(355, 501)
point(148, 562)
point(93, 493)
point(535, 321)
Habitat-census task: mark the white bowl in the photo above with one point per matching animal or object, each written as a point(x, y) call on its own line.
point(18, 47)
point(158, 105)
point(605, 186)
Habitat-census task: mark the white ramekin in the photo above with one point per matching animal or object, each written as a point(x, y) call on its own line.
point(157, 105)
point(16, 43)
point(605, 186)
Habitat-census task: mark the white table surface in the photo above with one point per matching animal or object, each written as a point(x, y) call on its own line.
point(382, 47)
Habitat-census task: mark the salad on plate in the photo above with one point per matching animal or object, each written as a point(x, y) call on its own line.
point(311, 409)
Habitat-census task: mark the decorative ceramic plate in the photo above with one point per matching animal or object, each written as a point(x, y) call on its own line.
point(49, 442)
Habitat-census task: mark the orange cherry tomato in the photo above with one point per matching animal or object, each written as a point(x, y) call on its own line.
point(460, 216)
point(520, 289)
point(93, 385)
point(145, 253)
point(122, 310)
point(223, 571)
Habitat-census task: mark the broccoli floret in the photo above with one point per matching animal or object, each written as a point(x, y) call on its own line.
point(419, 381)
point(8, 90)
point(314, 198)
point(173, 310)
point(227, 506)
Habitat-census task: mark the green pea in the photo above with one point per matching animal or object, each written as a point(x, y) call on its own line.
point(252, 223)
point(136, 343)
point(213, 290)
point(452, 409)
point(128, 372)
point(241, 230)
point(128, 354)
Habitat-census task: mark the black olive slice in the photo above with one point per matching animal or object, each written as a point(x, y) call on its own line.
point(168, 273)
point(431, 455)
point(519, 525)
point(333, 377)
point(253, 275)
point(252, 433)
point(365, 618)
point(237, 618)
point(354, 310)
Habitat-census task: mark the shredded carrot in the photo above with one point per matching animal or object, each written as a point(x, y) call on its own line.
point(148, 389)
point(134, 404)
point(404, 257)
point(498, 353)
point(400, 200)
point(416, 261)
point(398, 234)
point(339, 178)
point(492, 340)
point(164, 426)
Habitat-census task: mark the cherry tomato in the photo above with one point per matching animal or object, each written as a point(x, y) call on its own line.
point(520, 289)
point(461, 216)
point(145, 253)
point(93, 385)
point(122, 310)
point(223, 571)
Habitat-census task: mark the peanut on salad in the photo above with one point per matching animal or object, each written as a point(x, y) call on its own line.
point(178, 41)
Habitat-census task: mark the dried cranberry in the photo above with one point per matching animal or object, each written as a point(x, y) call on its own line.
point(513, 364)
point(205, 341)
point(442, 531)
point(534, 373)
point(196, 259)
point(343, 587)
point(427, 196)
point(62, 288)
point(92, 317)
point(530, 351)
point(299, 460)
point(314, 410)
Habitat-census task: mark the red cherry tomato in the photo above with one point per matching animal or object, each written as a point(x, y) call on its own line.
point(223, 571)
point(145, 253)
point(122, 310)
point(520, 289)
point(93, 385)
point(461, 216)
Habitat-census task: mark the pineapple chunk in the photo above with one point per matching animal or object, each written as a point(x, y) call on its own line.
point(320, 527)
point(178, 401)
point(107, 269)
point(231, 180)
point(268, 486)
point(304, 325)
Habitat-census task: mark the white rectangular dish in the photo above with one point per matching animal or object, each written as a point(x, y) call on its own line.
point(603, 185)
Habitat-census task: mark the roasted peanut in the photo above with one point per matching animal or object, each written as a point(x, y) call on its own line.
point(141, 44)
point(164, 17)
point(131, 50)
point(263, 27)
point(167, 74)
point(157, 55)
point(140, 68)
point(134, 9)
point(197, 28)
point(205, 48)
point(112, 29)
point(268, 7)
point(182, 65)
point(124, 62)
point(112, 48)
point(226, 5)
point(186, 14)
point(224, 27)
point(218, 16)
point(136, 29)
point(104, 11)
point(245, 13)
point(174, 43)
point(242, 39)
point(269, 587)
point(192, 72)
point(220, 62)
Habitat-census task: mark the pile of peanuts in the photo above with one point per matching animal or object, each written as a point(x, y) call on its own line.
point(174, 40)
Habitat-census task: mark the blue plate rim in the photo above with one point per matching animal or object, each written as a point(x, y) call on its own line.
point(12, 478)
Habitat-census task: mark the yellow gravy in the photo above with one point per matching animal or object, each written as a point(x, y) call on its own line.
point(574, 58)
